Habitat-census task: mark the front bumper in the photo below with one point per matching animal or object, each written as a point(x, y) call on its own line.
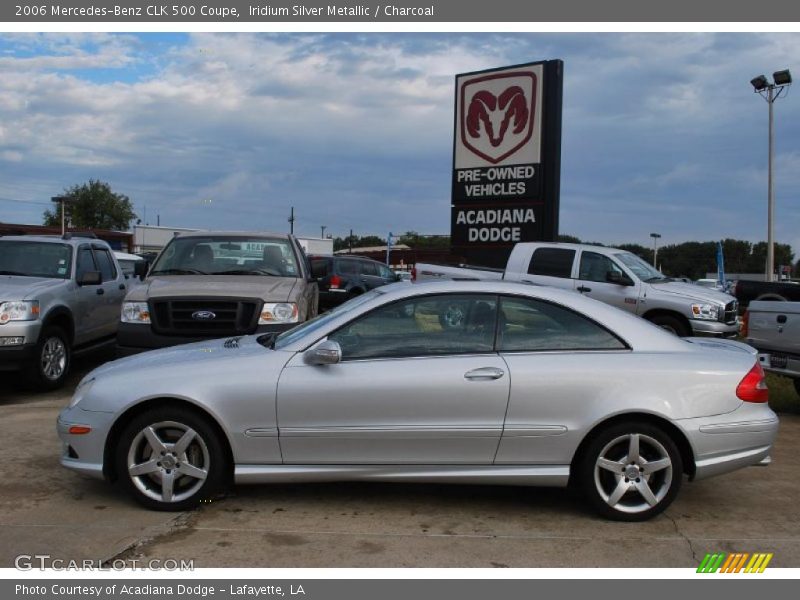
point(133, 338)
point(725, 443)
point(14, 358)
point(84, 452)
point(714, 329)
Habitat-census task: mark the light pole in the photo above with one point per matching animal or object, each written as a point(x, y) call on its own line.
point(322, 231)
point(655, 237)
point(63, 201)
point(771, 92)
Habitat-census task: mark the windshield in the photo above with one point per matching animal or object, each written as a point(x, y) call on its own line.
point(35, 259)
point(227, 255)
point(318, 322)
point(640, 268)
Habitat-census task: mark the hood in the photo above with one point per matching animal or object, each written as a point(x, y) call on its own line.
point(15, 287)
point(236, 348)
point(690, 290)
point(269, 289)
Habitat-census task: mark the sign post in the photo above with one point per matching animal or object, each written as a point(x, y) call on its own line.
point(506, 160)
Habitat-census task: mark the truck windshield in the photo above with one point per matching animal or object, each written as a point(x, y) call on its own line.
point(227, 255)
point(35, 259)
point(640, 268)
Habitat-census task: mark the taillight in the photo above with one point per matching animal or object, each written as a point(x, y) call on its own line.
point(753, 388)
point(413, 273)
point(336, 281)
point(745, 324)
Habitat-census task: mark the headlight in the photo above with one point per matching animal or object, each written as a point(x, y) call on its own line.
point(706, 312)
point(282, 312)
point(27, 310)
point(81, 391)
point(135, 312)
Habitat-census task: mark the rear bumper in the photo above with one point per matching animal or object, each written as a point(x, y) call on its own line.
point(789, 365)
point(133, 338)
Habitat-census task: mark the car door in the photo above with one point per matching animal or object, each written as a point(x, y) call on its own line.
point(419, 383)
point(112, 292)
point(85, 314)
point(370, 274)
point(601, 278)
point(563, 366)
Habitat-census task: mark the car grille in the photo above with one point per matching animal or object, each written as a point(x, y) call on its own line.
point(731, 311)
point(182, 317)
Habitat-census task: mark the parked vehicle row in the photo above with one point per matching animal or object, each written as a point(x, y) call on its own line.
point(747, 291)
point(461, 382)
point(615, 277)
point(340, 278)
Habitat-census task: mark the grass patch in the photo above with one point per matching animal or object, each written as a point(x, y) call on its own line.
point(782, 395)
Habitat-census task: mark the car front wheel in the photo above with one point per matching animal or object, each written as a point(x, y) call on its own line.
point(631, 472)
point(171, 459)
point(51, 364)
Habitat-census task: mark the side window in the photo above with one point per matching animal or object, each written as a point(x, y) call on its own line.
point(106, 265)
point(596, 267)
point(552, 262)
point(386, 272)
point(347, 267)
point(368, 268)
point(531, 325)
point(425, 326)
point(85, 262)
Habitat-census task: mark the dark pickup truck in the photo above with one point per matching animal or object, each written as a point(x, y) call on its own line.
point(747, 291)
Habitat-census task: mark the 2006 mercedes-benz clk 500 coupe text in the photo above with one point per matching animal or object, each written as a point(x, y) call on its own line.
point(462, 382)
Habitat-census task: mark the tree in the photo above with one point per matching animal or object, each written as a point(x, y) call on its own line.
point(95, 206)
point(412, 239)
point(357, 242)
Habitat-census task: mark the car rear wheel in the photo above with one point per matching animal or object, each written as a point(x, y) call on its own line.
point(631, 472)
point(171, 459)
point(53, 356)
point(671, 324)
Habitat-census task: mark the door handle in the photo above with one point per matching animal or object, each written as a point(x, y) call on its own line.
point(100, 291)
point(583, 288)
point(484, 374)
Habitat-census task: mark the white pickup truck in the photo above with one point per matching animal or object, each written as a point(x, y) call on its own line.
point(774, 329)
point(613, 276)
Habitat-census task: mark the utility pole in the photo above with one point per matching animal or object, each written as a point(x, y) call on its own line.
point(350, 243)
point(291, 221)
point(63, 201)
point(322, 231)
point(655, 237)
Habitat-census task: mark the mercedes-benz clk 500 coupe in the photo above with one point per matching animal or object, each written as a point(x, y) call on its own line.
point(461, 382)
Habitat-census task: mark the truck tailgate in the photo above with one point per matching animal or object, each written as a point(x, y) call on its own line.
point(774, 326)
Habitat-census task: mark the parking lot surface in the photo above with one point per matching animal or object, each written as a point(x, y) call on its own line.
point(45, 509)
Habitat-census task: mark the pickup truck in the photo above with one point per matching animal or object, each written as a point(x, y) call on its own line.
point(58, 296)
point(773, 328)
point(746, 291)
point(613, 276)
point(207, 284)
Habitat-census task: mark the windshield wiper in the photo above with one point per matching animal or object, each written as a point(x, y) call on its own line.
point(178, 272)
point(268, 340)
point(245, 272)
point(658, 280)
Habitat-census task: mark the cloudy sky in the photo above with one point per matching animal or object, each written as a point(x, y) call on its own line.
point(662, 132)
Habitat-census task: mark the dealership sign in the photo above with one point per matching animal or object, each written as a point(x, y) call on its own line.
point(506, 159)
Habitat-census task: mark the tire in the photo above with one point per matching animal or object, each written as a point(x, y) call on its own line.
point(605, 472)
point(198, 472)
point(672, 324)
point(50, 367)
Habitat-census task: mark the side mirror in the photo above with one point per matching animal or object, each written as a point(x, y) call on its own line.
point(618, 278)
point(140, 269)
point(327, 353)
point(90, 278)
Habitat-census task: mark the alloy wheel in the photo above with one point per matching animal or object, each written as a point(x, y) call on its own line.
point(53, 358)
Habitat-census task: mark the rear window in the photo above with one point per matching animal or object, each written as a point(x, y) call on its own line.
point(107, 270)
point(319, 267)
point(552, 262)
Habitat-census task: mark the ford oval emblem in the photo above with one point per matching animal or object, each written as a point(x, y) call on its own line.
point(203, 315)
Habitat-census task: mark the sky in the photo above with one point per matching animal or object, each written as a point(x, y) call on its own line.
point(661, 132)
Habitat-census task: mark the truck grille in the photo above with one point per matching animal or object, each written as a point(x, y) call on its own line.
point(731, 312)
point(205, 318)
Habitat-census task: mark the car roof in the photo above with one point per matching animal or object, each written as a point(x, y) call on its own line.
point(75, 240)
point(233, 234)
point(569, 246)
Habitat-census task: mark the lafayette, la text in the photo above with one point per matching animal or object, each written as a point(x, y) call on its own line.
point(149, 589)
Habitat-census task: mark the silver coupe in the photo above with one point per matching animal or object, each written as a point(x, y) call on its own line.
point(460, 382)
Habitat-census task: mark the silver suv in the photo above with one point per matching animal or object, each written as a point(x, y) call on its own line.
point(58, 295)
point(216, 284)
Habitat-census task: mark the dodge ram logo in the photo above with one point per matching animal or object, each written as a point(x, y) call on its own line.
point(497, 114)
point(203, 315)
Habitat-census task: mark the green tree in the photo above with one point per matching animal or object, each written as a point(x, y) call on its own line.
point(357, 242)
point(94, 206)
point(568, 239)
point(412, 239)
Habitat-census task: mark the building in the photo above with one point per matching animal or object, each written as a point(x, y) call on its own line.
point(152, 238)
point(118, 240)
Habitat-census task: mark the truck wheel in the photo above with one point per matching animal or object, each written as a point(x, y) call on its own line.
point(51, 365)
point(671, 324)
point(171, 459)
point(631, 471)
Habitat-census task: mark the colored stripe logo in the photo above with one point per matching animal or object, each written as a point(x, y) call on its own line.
point(736, 562)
